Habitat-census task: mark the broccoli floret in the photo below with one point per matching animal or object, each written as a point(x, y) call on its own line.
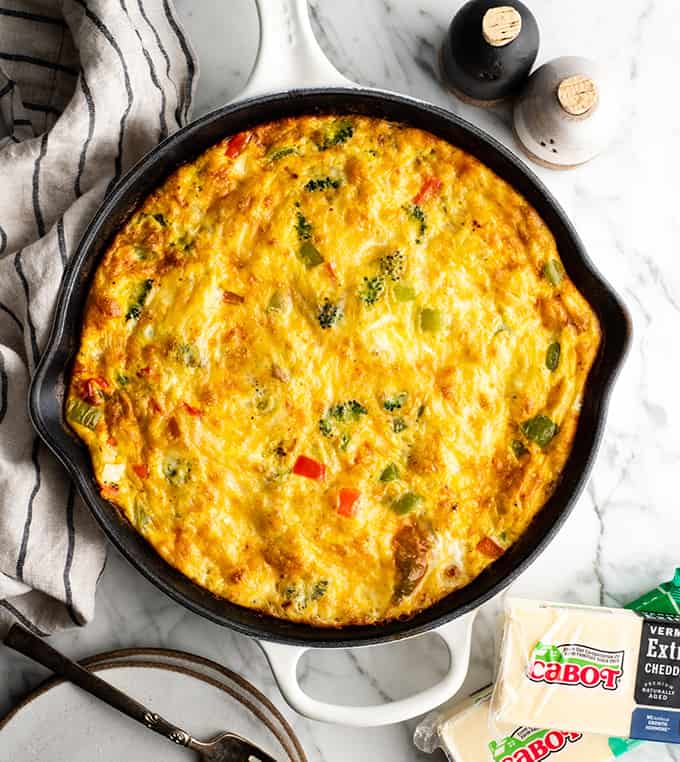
point(393, 265)
point(398, 425)
point(348, 411)
point(326, 427)
point(280, 153)
point(303, 227)
point(176, 470)
point(343, 131)
point(372, 290)
point(344, 412)
point(319, 590)
point(321, 184)
point(329, 314)
point(415, 212)
point(135, 308)
point(396, 402)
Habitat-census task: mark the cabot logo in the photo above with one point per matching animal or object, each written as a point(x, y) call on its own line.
point(531, 745)
point(575, 664)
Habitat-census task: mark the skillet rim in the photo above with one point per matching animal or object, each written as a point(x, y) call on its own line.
point(47, 386)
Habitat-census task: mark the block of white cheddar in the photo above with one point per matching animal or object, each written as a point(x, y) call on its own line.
point(465, 734)
point(591, 670)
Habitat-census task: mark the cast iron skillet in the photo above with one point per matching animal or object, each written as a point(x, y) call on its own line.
point(288, 53)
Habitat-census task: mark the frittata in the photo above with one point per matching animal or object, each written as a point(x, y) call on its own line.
point(331, 369)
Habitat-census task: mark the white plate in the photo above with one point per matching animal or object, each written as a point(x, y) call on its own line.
point(61, 723)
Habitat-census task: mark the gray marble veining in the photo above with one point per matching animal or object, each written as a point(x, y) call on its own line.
point(622, 536)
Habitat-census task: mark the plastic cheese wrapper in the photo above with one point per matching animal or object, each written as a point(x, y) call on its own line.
point(463, 733)
point(608, 671)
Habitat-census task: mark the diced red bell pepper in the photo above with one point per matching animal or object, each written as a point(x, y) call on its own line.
point(489, 548)
point(229, 297)
point(309, 467)
point(429, 187)
point(331, 271)
point(142, 470)
point(90, 392)
point(192, 410)
point(347, 501)
point(153, 404)
point(109, 491)
point(237, 144)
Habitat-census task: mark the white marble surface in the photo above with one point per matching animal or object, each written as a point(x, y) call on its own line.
point(622, 537)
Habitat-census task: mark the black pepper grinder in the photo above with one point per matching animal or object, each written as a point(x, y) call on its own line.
point(489, 51)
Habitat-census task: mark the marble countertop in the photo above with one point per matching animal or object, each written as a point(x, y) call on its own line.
point(621, 539)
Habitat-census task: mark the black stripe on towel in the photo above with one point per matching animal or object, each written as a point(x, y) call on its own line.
point(61, 240)
point(32, 17)
point(20, 58)
point(161, 48)
point(31, 328)
point(39, 221)
point(90, 132)
point(163, 132)
point(42, 108)
point(21, 560)
point(3, 240)
point(99, 24)
point(3, 389)
point(9, 312)
point(186, 95)
point(23, 123)
point(23, 619)
point(6, 88)
point(70, 526)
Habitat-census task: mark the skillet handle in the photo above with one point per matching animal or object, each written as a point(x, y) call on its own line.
point(289, 57)
point(284, 660)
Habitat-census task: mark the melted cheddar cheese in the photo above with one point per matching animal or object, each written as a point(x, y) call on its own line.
point(331, 369)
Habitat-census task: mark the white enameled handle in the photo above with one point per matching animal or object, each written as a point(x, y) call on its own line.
point(288, 56)
point(284, 661)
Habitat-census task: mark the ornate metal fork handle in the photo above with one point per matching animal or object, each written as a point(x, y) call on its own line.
point(23, 641)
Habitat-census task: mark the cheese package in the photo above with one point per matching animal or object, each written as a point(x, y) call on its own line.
point(663, 599)
point(463, 733)
point(608, 671)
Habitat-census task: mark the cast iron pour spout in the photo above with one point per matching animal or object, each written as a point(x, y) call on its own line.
point(226, 747)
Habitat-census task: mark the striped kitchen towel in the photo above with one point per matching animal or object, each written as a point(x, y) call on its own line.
point(86, 87)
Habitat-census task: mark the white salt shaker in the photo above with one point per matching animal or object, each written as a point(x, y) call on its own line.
point(568, 112)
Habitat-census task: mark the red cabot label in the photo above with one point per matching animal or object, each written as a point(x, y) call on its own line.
point(575, 664)
point(530, 745)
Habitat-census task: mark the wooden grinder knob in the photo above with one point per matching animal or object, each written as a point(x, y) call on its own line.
point(501, 25)
point(577, 94)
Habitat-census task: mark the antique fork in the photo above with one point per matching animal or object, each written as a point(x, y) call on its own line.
point(226, 747)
